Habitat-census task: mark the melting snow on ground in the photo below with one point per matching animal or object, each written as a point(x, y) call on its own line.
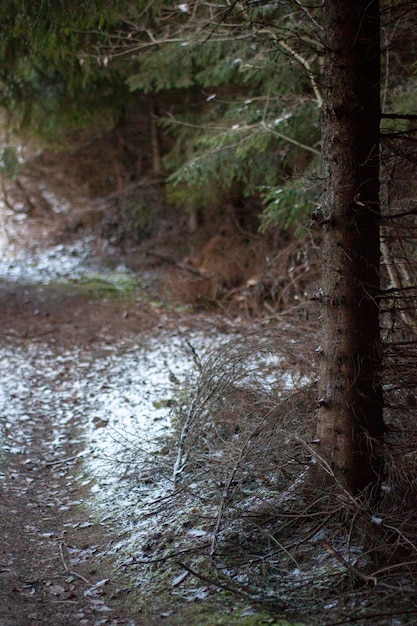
point(119, 396)
point(45, 264)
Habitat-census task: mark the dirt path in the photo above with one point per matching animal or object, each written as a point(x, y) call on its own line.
point(53, 568)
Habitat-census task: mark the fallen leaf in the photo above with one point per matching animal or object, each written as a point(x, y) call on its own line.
point(178, 579)
point(56, 590)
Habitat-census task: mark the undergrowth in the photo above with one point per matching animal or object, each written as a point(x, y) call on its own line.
point(242, 511)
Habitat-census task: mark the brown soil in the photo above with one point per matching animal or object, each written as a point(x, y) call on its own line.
point(53, 565)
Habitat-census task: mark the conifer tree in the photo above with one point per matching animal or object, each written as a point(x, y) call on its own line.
point(350, 426)
point(48, 80)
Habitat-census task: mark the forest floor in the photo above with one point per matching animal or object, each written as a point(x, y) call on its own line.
point(57, 556)
point(44, 521)
point(96, 363)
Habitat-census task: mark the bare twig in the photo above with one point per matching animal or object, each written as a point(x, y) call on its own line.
point(181, 266)
point(61, 551)
point(242, 590)
point(352, 569)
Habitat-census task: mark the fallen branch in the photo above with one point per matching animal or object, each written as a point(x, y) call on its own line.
point(66, 460)
point(242, 590)
point(352, 569)
point(172, 555)
point(179, 265)
point(67, 568)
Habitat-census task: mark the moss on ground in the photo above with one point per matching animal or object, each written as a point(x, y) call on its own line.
point(220, 610)
point(111, 286)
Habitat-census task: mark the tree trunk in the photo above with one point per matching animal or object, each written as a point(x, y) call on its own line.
point(350, 421)
point(155, 139)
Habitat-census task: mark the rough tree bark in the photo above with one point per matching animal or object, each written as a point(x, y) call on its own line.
point(350, 420)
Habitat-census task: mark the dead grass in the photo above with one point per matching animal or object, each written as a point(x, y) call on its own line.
point(247, 277)
point(246, 514)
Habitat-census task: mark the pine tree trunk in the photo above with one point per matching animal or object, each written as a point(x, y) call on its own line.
point(155, 140)
point(350, 421)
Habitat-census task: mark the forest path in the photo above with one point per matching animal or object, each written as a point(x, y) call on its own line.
point(52, 555)
point(54, 569)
